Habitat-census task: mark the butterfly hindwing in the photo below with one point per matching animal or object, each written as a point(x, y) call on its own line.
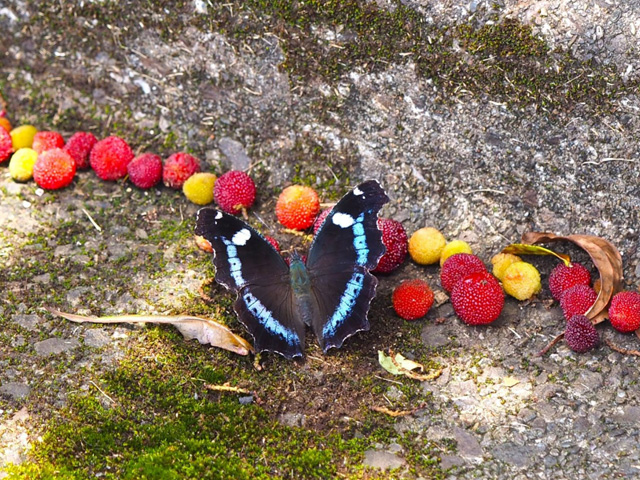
point(347, 245)
point(248, 265)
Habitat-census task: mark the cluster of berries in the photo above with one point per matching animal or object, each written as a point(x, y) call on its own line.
point(53, 163)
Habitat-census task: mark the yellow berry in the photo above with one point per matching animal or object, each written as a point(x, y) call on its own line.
point(521, 280)
point(453, 247)
point(501, 262)
point(199, 188)
point(22, 136)
point(21, 164)
point(426, 245)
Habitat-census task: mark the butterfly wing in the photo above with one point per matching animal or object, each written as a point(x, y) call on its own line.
point(345, 248)
point(248, 265)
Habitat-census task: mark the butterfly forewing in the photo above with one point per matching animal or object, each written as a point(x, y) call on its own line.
point(247, 264)
point(347, 245)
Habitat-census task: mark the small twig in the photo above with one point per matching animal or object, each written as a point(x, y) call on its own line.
point(227, 388)
point(93, 222)
point(201, 291)
point(551, 344)
point(610, 159)
point(618, 349)
point(103, 392)
point(388, 380)
point(484, 190)
point(398, 413)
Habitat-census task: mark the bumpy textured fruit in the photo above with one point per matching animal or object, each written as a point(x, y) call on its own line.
point(45, 140)
point(198, 188)
point(178, 168)
point(458, 266)
point(110, 157)
point(562, 278)
point(580, 334)
point(54, 169)
point(624, 311)
point(501, 262)
point(394, 238)
point(79, 147)
point(317, 223)
point(6, 145)
point(478, 298)
point(21, 164)
point(297, 207)
point(145, 171)
point(5, 123)
point(412, 299)
point(234, 192)
point(521, 280)
point(453, 247)
point(577, 300)
point(22, 136)
point(426, 245)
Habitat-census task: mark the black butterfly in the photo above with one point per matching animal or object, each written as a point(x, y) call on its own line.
point(331, 293)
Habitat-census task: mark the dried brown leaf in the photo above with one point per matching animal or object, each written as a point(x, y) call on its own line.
point(205, 330)
point(606, 258)
point(525, 249)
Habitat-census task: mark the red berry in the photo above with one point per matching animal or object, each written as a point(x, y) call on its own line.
point(577, 300)
point(145, 171)
point(43, 141)
point(317, 223)
point(79, 146)
point(624, 311)
point(178, 168)
point(110, 157)
point(458, 266)
point(297, 207)
point(234, 191)
point(54, 169)
point(6, 145)
point(580, 334)
point(478, 298)
point(395, 240)
point(412, 299)
point(562, 278)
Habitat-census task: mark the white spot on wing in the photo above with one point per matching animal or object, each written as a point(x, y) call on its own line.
point(218, 215)
point(241, 237)
point(357, 191)
point(343, 220)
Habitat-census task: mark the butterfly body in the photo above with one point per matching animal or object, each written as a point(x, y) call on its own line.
point(330, 293)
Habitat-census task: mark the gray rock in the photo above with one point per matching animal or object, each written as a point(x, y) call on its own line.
point(96, 337)
point(450, 461)
point(15, 390)
point(434, 335)
point(237, 158)
point(383, 459)
point(629, 415)
point(54, 346)
point(468, 446)
point(28, 322)
point(291, 419)
point(519, 456)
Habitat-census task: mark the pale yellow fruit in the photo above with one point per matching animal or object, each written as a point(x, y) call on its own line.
point(426, 245)
point(521, 280)
point(199, 188)
point(453, 247)
point(21, 164)
point(22, 136)
point(501, 262)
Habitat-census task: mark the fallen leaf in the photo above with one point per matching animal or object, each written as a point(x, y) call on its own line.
point(606, 258)
point(398, 364)
point(205, 330)
point(510, 381)
point(525, 249)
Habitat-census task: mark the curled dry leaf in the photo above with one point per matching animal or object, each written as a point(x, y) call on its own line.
point(524, 249)
point(398, 364)
point(204, 330)
point(605, 257)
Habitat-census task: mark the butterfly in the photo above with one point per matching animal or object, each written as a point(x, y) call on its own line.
point(330, 293)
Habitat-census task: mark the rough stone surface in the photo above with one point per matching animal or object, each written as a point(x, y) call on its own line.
point(53, 346)
point(383, 460)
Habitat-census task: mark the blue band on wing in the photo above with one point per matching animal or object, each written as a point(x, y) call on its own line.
point(235, 265)
point(267, 320)
point(360, 240)
point(345, 305)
